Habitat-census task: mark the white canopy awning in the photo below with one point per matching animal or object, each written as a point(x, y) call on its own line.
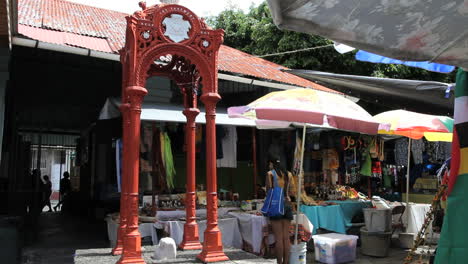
point(170, 113)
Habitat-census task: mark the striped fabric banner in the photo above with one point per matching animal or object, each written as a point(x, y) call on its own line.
point(453, 244)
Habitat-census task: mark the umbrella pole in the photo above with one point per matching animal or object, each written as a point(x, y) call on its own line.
point(407, 182)
point(299, 185)
point(408, 172)
point(254, 160)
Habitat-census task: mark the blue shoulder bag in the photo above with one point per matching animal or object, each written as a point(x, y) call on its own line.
point(274, 201)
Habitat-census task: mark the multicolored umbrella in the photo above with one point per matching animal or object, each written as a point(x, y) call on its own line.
point(416, 125)
point(308, 106)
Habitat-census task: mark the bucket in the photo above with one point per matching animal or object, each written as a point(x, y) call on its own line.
point(378, 220)
point(406, 240)
point(298, 253)
point(376, 244)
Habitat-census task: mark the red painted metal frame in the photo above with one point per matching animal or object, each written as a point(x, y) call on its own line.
point(148, 52)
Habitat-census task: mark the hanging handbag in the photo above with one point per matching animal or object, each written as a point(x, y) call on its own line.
point(274, 202)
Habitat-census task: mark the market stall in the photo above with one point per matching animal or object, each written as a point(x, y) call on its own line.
point(415, 126)
point(145, 227)
point(303, 107)
point(336, 216)
point(229, 227)
point(257, 234)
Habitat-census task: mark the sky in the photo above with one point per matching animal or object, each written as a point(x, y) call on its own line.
point(203, 8)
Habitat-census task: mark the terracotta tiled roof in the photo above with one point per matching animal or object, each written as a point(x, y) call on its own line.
point(66, 23)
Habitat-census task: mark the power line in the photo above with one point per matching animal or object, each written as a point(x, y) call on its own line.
point(295, 51)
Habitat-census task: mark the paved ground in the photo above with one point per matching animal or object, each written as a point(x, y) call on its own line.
point(63, 237)
point(60, 236)
point(102, 256)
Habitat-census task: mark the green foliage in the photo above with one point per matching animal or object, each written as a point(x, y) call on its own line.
point(255, 33)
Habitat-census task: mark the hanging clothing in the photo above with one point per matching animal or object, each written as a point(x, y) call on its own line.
point(387, 177)
point(330, 159)
point(229, 144)
point(376, 169)
point(198, 138)
point(366, 169)
point(417, 149)
point(163, 145)
point(159, 171)
point(219, 145)
point(168, 160)
point(438, 151)
point(354, 176)
point(219, 138)
point(401, 152)
point(297, 156)
point(315, 141)
point(145, 150)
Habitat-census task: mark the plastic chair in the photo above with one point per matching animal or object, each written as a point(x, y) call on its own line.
point(398, 210)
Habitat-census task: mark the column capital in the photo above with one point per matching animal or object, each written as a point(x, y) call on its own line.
point(191, 113)
point(136, 91)
point(136, 95)
point(210, 99)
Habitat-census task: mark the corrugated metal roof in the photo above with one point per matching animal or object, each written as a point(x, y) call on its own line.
point(50, 139)
point(72, 24)
point(65, 38)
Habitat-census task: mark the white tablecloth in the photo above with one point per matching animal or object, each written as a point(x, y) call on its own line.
point(251, 228)
point(176, 214)
point(146, 230)
point(229, 228)
point(417, 214)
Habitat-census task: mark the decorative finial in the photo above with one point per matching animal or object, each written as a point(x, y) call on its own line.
point(142, 5)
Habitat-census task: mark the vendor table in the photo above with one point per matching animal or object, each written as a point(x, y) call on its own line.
point(252, 230)
point(336, 218)
point(177, 214)
point(146, 230)
point(229, 228)
point(417, 213)
point(257, 233)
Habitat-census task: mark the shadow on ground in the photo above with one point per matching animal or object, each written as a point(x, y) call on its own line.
point(60, 236)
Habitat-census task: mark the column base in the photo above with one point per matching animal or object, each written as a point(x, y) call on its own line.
point(131, 260)
point(190, 241)
point(190, 245)
point(117, 250)
point(212, 256)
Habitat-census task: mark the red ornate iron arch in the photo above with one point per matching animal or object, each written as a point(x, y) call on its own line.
point(169, 40)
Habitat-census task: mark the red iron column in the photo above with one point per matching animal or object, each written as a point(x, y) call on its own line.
point(212, 244)
point(191, 238)
point(132, 239)
point(117, 250)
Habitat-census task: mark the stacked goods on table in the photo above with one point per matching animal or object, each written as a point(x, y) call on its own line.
point(337, 192)
point(171, 201)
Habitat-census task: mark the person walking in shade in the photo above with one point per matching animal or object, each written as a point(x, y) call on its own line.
point(46, 192)
point(65, 189)
point(281, 223)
